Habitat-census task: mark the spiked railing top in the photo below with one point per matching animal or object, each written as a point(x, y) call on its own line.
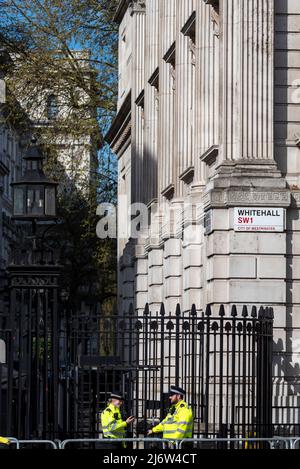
point(146, 310)
point(254, 312)
point(263, 313)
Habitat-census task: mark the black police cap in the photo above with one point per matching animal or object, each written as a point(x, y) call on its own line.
point(116, 395)
point(176, 390)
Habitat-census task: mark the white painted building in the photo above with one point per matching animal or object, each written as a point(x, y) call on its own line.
point(209, 118)
point(64, 106)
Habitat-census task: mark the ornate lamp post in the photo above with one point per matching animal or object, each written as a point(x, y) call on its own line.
point(33, 358)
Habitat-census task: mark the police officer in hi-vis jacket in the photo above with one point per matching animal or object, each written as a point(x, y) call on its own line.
point(4, 441)
point(113, 425)
point(178, 423)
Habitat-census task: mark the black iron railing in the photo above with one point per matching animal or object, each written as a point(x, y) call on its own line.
point(61, 366)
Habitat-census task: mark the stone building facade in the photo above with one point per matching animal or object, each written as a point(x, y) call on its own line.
point(12, 150)
point(208, 121)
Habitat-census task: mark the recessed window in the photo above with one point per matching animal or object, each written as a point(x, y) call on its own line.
point(52, 106)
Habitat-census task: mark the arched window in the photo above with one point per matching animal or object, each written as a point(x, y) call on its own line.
point(52, 107)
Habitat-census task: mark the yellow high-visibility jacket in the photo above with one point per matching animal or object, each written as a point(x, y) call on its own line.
point(4, 440)
point(178, 424)
point(113, 425)
point(251, 444)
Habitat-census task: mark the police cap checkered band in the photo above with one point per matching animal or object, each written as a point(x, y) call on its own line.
point(176, 390)
point(116, 395)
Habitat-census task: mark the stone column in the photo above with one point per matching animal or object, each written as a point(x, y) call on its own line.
point(150, 144)
point(151, 102)
point(155, 278)
point(137, 154)
point(138, 41)
point(167, 11)
point(183, 157)
point(126, 280)
point(246, 57)
point(167, 14)
point(173, 273)
point(141, 281)
point(207, 86)
point(138, 11)
point(152, 36)
point(192, 267)
point(245, 267)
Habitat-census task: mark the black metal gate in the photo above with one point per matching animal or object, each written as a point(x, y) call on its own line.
point(29, 379)
point(61, 365)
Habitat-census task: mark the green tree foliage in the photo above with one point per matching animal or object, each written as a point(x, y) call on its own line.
point(68, 50)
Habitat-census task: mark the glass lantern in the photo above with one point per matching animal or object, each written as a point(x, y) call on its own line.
point(34, 196)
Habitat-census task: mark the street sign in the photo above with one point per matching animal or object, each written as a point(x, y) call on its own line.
point(259, 219)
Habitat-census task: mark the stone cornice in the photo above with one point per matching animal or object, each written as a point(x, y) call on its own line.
point(120, 129)
point(121, 10)
point(137, 6)
point(154, 79)
point(168, 192)
point(153, 243)
point(124, 140)
point(213, 3)
point(295, 198)
point(210, 156)
point(189, 29)
point(169, 56)
point(239, 197)
point(187, 175)
point(140, 100)
point(3, 169)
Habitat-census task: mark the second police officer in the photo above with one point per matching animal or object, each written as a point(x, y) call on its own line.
point(178, 424)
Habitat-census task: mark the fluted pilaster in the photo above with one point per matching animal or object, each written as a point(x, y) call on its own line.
point(151, 102)
point(167, 11)
point(184, 97)
point(152, 36)
point(138, 76)
point(207, 86)
point(247, 76)
point(138, 11)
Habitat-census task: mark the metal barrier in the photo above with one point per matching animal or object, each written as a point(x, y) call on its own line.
point(14, 440)
point(58, 443)
point(164, 442)
point(295, 443)
point(288, 443)
point(39, 442)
